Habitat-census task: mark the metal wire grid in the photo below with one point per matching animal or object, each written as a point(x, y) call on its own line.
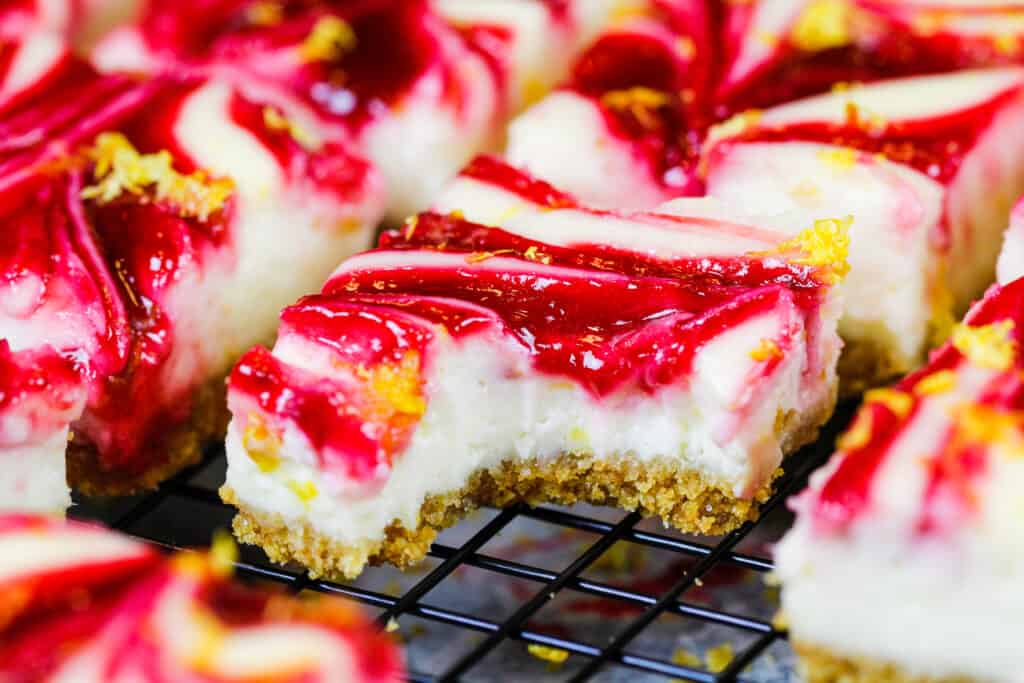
point(549, 583)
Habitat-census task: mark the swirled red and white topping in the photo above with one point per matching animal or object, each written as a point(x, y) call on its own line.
point(81, 604)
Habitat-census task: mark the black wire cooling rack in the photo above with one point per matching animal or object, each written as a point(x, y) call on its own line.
point(186, 510)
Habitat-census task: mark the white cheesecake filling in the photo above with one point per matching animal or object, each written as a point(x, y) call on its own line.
point(32, 477)
point(989, 182)
point(421, 144)
point(487, 405)
point(896, 213)
point(952, 600)
point(1011, 257)
point(585, 158)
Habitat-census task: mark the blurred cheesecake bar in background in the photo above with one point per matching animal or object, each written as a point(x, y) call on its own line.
point(657, 362)
point(918, 517)
point(153, 231)
point(779, 50)
point(421, 87)
point(631, 115)
point(86, 605)
point(929, 166)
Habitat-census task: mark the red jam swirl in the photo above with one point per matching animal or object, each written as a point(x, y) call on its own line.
point(396, 42)
point(954, 469)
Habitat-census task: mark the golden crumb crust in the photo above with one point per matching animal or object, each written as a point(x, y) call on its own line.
point(868, 363)
point(820, 665)
point(684, 499)
point(181, 447)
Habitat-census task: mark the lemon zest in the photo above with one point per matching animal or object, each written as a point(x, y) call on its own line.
point(120, 169)
point(331, 38)
point(987, 346)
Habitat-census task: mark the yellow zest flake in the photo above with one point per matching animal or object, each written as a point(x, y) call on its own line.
point(646, 97)
point(627, 10)
point(536, 255)
point(119, 168)
point(858, 435)
point(936, 383)
point(684, 657)
point(399, 385)
point(824, 24)
point(223, 553)
point(552, 655)
point(533, 90)
point(1007, 44)
point(331, 38)
point(304, 490)
point(191, 564)
point(898, 402)
point(686, 48)
point(768, 39)
point(638, 101)
point(579, 435)
point(987, 346)
point(988, 425)
point(275, 120)
point(481, 256)
point(842, 158)
point(766, 350)
point(826, 245)
point(858, 117)
point(845, 86)
point(411, 224)
point(265, 13)
point(805, 188)
point(261, 444)
point(208, 635)
point(734, 127)
point(718, 658)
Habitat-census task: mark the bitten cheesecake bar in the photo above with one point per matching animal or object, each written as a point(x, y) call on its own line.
point(654, 362)
point(145, 249)
point(929, 166)
point(84, 605)
point(905, 563)
point(421, 87)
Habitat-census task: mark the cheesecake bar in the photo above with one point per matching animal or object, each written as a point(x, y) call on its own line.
point(154, 230)
point(905, 561)
point(84, 605)
point(654, 362)
point(630, 117)
point(421, 87)
point(929, 166)
point(778, 50)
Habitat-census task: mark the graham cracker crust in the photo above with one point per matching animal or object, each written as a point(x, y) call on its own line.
point(683, 499)
point(868, 363)
point(181, 447)
point(820, 665)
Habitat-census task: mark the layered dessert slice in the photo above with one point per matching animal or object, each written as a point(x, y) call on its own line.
point(86, 605)
point(776, 50)
point(929, 167)
point(421, 86)
point(905, 560)
point(154, 231)
point(654, 362)
point(631, 116)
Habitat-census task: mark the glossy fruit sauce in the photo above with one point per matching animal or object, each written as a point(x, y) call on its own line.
point(954, 471)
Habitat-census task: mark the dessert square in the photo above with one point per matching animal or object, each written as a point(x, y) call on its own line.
point(656, 362)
